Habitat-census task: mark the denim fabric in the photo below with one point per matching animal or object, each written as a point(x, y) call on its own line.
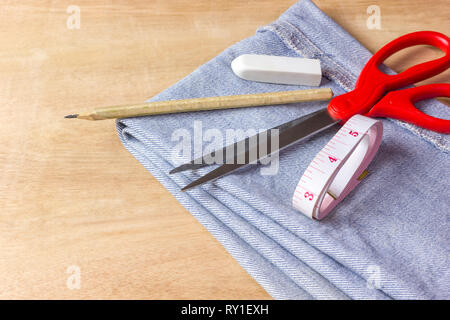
point(387, 239)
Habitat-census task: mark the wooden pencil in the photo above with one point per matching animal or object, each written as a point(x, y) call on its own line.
point(202, 104)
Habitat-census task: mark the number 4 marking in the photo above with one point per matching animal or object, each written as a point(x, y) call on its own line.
point(332, 159)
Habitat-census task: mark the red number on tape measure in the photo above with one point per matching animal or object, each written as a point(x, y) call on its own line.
point(353, 133)
point(309, 196)
point(332, 159)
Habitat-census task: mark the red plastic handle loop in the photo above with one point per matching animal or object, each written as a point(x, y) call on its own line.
point(372, 84)
point(400, 105)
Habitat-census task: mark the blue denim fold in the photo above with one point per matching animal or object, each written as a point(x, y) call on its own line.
point(387, 240)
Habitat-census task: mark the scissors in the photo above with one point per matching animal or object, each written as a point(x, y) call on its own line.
point(373, 96)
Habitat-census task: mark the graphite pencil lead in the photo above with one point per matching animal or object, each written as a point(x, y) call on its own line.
point(71, 116)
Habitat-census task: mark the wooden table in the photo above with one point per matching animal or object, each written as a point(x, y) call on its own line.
point(71, 195)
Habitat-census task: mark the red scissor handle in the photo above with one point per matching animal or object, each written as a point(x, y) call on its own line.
point(400, 105)
point(373, 84)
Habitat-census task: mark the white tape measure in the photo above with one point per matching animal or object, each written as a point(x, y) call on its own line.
point(339, 167)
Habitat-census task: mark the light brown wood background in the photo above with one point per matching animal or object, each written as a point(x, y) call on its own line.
point(71, 194)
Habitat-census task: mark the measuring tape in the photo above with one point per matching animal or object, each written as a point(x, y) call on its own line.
point(339, 167)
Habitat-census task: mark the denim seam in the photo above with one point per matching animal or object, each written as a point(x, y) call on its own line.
point(296, 40)
point(300, 43)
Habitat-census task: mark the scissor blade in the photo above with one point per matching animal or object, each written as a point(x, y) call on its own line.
point(188, 166)
point(289, 133)
point(203, 160)
point(321, 120)
point(304, 127)
point(216, 173)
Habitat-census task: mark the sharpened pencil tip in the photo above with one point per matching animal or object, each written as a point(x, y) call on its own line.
point(71, 116)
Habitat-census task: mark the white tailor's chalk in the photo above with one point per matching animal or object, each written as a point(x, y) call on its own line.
point(275, 69)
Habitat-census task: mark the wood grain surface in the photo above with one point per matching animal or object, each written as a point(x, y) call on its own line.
point(71, 195)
